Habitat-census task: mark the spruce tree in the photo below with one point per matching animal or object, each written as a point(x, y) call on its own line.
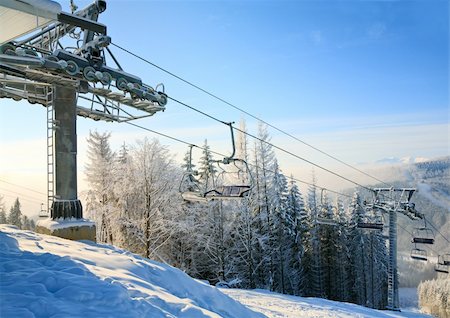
point(15, 214)
point(99, 175)
point(3, 218)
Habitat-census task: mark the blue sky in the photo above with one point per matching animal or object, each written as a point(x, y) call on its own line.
point(363, 80)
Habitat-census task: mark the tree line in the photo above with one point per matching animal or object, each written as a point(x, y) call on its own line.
point(15, 216)
point(271, 239)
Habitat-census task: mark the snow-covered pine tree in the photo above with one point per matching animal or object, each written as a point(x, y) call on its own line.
point(313, 261)
point(341, 277)
point(327, 234)
point(358, 246)
point(3, 218)
point(296, 212)
point(264, 158)
point(184, 243)
point(281, 233)
point(207, 171)
point(98, 170)
point(15, 214)
point(26, 225)
point(380, 270)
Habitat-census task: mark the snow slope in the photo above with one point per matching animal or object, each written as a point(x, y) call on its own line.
point(275, 305)
point(45, 276)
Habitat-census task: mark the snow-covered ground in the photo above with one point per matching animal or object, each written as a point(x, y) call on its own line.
point(275, 305)
point(409, 300)
point(45, 276)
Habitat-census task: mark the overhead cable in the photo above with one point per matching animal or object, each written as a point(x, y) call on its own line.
point(247, 113)
point(271, 144)
point(20, 186)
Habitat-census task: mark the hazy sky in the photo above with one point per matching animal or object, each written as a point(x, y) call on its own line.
point(363, 80)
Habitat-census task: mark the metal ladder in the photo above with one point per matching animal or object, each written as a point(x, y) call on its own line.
point(51, 126)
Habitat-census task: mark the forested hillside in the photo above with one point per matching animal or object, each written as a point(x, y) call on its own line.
point(278, 238)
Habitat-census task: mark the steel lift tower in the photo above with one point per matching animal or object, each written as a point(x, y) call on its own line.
point(393, 201)
point(59, 60)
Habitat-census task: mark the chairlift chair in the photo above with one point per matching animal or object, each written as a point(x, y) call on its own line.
point(230, 182)
point(372, 220)
point(419, 254)
point(443, 264)
point(441, 268)
point(189, 185)
point(43, 213)
point(233, 180)
point(444, 259)
point(324, 220)
point(423, 235)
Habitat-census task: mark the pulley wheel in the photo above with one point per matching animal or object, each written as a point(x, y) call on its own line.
point(89, 74)
point(72, 68)
point(121, 84)
point(106, 79)
point(8, 49)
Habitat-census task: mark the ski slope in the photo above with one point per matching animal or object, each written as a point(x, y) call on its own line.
point(274, 305)
point(45, 276)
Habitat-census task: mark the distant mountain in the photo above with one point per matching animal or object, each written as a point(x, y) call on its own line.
point(404, 160)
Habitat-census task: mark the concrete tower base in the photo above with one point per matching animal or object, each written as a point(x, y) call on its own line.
point(71, 229)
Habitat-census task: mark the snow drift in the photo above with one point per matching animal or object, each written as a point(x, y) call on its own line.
point(45, 276)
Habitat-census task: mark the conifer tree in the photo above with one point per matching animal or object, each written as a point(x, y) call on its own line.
point(100, 178)
point(3, 218)
point(358, 246)
point(15, 214)
point(299, 227)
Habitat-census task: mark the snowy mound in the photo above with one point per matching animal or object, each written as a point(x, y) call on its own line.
point(45, 276)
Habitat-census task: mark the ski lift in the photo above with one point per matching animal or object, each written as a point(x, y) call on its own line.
point(189, 185)
point(423, 235)
point(325, 220)
point(43, 213)
point(371, 222)
point(233, 180)
point(445, 259)
point(419, 254)
point(443, 264)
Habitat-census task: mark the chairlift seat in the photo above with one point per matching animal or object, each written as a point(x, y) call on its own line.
point(370, 226)
point(423, 235)
point(423, 240)
point(193, 196)
point(419, 257)
point(441, 268)
point(444, 259)
point(419, 254)
point(229, 192)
